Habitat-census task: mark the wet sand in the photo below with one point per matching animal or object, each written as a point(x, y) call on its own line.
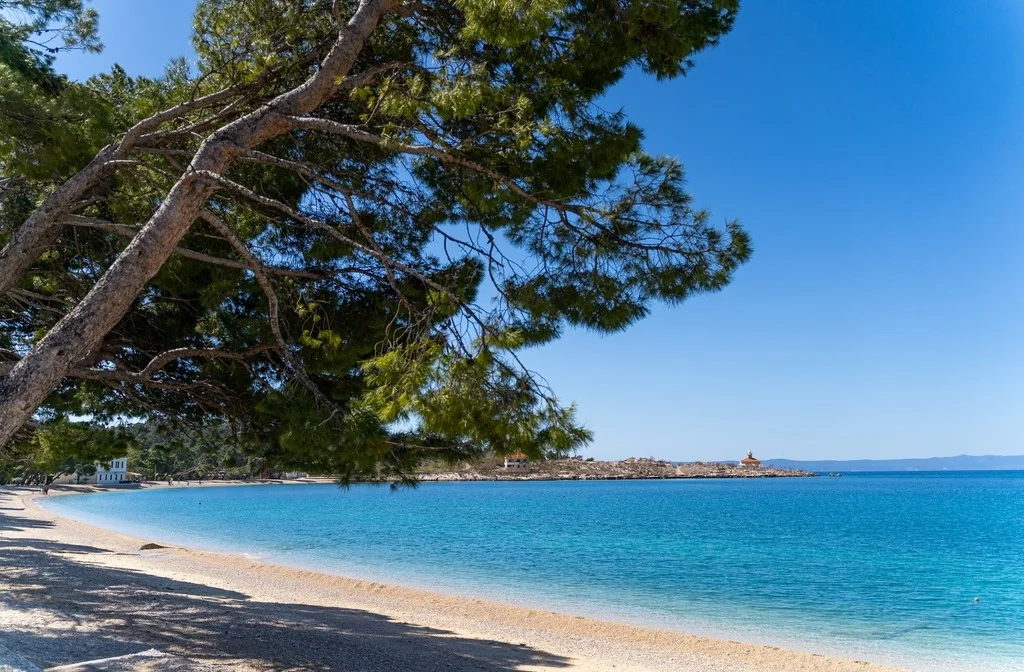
point(71, 592)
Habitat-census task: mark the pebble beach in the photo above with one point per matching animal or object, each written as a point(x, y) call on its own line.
point(71, 592)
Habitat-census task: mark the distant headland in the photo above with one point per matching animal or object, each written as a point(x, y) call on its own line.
point(955, 463)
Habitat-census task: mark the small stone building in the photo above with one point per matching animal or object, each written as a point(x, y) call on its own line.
point(750, 460)
point(517, 462)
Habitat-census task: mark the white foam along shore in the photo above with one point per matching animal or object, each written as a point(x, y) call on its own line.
point(71, 592)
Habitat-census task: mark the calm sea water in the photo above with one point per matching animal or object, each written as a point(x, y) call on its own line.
point(883, 567)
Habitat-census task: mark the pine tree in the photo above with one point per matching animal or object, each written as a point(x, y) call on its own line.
point(342, 228)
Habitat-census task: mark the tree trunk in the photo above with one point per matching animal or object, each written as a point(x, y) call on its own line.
point(82, 331)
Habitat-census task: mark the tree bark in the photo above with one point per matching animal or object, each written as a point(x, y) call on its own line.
point(83, 330)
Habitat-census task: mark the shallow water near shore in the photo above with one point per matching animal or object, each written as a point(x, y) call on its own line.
point(881, 567)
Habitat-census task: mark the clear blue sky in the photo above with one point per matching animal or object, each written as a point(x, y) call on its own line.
point(875, 150)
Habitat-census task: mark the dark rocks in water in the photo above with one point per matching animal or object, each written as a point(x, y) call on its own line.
point(151, 547)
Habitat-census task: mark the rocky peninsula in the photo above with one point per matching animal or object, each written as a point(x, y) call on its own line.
point(579, 469)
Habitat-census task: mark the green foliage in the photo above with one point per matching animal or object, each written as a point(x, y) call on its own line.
point(240, 40)
point(481, 402)
point(497, 205)
point(49, 126)
point(62, 447)
point(188, 451)
point(48, 135)
point(32, 32)
point(508, 23)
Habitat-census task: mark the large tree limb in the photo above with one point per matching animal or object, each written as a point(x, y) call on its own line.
point(40, 230)
point(158, 137)
point(135, 132)
point(81, 331)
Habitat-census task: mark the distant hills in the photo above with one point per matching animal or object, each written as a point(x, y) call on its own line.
point(957, 463)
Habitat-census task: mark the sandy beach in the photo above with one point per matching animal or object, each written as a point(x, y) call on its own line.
point(72, 592)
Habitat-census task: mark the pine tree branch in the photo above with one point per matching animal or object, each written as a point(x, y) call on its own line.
point(133, 134)
point(387, 261)
point(591, 215)
point(312, 222)
point(41, 229)
point(356, 133)
point(256, 266)
point(163, 359)
point(129, 232)
point(145, 376)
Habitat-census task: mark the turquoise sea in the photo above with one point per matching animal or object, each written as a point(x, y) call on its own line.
point(881, 567)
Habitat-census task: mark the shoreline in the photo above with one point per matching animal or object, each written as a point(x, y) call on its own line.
point(234, 601)
point(632, 468)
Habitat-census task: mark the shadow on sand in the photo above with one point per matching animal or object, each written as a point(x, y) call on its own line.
point(9, 521)
point(96, 612)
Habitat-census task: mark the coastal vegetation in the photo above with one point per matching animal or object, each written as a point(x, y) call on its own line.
point(177, 451)
point(327, 241)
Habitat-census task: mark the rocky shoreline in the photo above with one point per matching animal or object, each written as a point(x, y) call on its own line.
point(633, 468)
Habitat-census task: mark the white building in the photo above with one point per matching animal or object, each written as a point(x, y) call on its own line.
point(518, 462)
point(115, 473)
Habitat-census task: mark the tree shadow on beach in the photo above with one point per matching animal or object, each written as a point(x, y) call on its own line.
point(16, 523)
point(58, 609)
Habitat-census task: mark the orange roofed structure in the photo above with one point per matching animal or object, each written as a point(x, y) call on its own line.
point(750, 460)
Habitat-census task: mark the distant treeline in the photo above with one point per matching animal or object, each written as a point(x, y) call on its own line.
point(154, 450)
